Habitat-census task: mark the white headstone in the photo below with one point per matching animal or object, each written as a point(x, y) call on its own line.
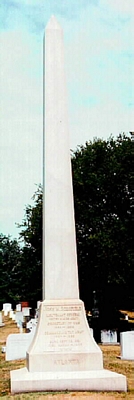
point(19, 317)
point(7, 307)
point(26, 311)
point(18, 307)
point(17, 345)
point(127, 345)
point(108, 336)
point(63, 354)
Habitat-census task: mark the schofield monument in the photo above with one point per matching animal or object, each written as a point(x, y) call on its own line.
point(63, 354)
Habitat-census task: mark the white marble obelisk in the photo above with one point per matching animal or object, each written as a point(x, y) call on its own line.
point(63, 354)
point(60, 276)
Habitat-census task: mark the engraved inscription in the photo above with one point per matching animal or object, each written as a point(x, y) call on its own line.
point(63, 328)
point(70, 361)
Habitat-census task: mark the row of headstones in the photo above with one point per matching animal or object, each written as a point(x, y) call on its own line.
point(17, 344)
point(7, 307)
point(126, 342)
point(19, 314)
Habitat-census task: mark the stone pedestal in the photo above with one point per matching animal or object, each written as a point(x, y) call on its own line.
point(63, 354)
point(63, 340)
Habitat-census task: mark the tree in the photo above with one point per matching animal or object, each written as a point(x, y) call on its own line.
point(21, 265)
point(9, 270)
point(31, 252)
point(101, 182)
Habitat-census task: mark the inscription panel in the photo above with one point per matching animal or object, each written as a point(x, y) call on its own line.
point(63, 328)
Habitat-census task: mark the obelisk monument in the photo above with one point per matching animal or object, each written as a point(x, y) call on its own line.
point(63, 354)
point(60, 276)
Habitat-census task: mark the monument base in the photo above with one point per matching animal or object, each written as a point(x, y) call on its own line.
point(24, 381)
point(63, 341)
point(63, 354)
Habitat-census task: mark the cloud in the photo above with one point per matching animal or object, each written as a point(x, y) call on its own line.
point(99, 50)
point(122, 7)
point(34, 15)
point(100, 58)
point(20, 125)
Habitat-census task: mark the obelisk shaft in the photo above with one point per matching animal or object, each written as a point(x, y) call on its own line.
point(60, 275)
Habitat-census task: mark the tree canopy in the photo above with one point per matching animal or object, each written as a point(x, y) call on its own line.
point(31, 252)
point(9, 269)
point(102, 191)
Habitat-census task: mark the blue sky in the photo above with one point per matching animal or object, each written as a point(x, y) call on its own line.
point(99, 51)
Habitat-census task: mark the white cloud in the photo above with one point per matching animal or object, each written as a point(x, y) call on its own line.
point(121, 7)
point(20, 126)
point(100, 64)
point(99, 47)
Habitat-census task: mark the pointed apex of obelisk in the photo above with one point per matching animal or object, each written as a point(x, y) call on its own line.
point(53, 24)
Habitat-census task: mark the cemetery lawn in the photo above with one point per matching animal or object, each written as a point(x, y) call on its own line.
point(111, 362)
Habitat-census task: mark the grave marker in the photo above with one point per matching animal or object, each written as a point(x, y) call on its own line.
point(7, 307)
point(108, 336)
point(26, 311)
point(127, 345)
point(18, 307)
point(17, 345)
point(19, 317)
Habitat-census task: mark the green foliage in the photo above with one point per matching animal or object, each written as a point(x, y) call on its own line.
point(31, 253)
point(31, 226)
point(9, 270)
point(21, 266)
point(101, 181)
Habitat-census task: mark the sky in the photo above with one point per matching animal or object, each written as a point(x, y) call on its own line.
point(99, 54)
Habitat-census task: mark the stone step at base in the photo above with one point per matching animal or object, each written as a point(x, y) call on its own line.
point(102, 380)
